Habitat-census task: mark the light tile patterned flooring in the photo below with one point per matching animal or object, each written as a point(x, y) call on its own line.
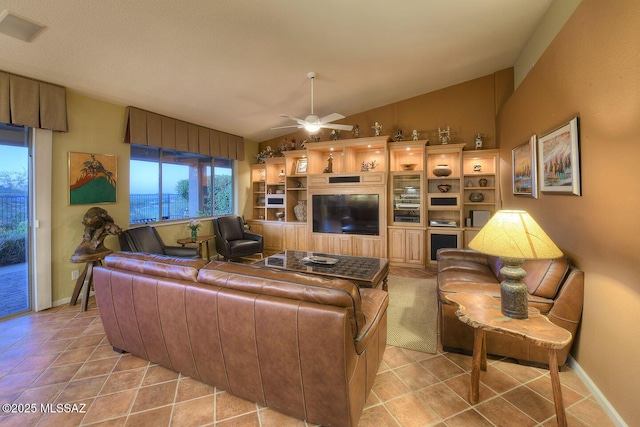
point(61, 356)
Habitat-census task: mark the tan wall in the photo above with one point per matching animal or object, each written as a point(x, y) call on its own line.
point(97, 127)
point(592, 69)
point(467, 108)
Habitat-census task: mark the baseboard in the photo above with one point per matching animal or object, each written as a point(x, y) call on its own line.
point(62, 301)
point(602, 400)
point(67, 300)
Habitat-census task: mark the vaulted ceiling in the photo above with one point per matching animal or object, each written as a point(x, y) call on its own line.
point(234, 65)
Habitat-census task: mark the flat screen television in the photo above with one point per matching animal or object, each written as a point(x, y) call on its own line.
point(346, 214)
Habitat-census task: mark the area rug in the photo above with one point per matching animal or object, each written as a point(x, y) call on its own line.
point(412, 314)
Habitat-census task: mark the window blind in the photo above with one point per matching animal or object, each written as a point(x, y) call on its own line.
point(147, 128)
point(28, 102)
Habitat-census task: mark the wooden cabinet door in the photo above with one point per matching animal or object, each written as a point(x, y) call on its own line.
point(273, 236)
point(368, 246)
point(295, 237)
point(332, 244)
point(397, 245)
point(415, 244)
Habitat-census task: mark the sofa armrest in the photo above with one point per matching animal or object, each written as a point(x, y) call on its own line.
point(374, 306)
point(468, 255)
point(567, 307)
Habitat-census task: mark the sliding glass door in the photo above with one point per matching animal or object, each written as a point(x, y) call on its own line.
point(15, 291)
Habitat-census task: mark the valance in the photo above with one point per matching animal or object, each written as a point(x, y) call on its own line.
point(147, 128)
point(28, 102)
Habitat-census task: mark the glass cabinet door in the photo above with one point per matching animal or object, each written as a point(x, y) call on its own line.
point(407, 198)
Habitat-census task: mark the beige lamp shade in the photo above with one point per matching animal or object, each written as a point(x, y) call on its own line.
point(514, 234)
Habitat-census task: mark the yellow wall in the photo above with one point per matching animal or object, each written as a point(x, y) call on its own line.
point(592, 69)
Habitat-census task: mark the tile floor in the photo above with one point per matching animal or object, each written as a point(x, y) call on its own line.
point(61, 356)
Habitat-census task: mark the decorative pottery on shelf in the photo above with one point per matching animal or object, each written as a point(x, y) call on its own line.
point(280, 216)
point(483, 182)
point(476, 197)
point(442, 170)
point(444, 188)
point(408, 166)
point(300, 210)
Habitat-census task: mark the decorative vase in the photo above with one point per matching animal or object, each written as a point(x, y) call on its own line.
point(194, 234)
point(300, 210)
point(476, 197)
point(444, 188)
point(442, 170)
point(483, 182)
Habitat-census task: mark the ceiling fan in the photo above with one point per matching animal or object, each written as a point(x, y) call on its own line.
point(313, 123)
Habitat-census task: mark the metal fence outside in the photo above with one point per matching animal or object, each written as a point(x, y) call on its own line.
point(144, 208)
point(13, 210)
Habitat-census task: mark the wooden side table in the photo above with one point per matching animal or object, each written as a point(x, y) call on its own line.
point(85, 279)
point(482, 312)
point(201, 241)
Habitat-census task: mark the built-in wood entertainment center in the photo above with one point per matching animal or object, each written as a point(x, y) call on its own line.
point(374, 197)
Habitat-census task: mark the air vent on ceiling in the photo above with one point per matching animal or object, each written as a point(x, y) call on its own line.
point(19, 27)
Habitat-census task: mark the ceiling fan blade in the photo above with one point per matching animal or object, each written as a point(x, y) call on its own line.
point(337, 126)
point(331, 118)
point(300, 126)
point(295, 119)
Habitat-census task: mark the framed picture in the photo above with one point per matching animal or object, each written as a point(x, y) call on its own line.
point(301, 166)
point(523, 169)
point(559, 157)
point(92, 178)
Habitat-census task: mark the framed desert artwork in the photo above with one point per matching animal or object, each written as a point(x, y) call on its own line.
point(523, 167)
point(559, 160)
point(92, 178)
point(301, 166)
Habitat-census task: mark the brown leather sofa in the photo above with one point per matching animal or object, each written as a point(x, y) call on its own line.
point(555, 288)
point(303, 345)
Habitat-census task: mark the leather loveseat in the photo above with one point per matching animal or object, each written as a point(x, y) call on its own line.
point(303, 345)
point(555, 288)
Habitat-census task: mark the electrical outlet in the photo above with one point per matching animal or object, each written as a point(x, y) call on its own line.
point(75, 274)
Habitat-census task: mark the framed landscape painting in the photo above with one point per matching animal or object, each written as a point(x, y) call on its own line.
point(559, 158)
point(92, 178)
point(523, 167)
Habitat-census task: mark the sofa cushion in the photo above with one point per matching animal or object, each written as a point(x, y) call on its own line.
point(545, 276)
point(286, 284)
point(156, 265)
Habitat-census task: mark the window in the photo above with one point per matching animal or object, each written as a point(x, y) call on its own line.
point(172, 185)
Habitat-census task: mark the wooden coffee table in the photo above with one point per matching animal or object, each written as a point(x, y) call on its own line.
point(363, 271)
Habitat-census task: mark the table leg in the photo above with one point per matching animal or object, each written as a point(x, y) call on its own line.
point(385, 287)
point(206, 245)
point(87, 285)
point(478, 363)
point(78, 287)
point(561, 417)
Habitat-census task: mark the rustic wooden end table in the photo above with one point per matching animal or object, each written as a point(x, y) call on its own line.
point(86, 278)
point(200, 240)
point(482, 312)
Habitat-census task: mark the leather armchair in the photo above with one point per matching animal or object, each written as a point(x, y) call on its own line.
point(232, 240)
point(146, 239)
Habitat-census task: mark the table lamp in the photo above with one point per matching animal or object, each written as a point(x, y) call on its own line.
point(514, 236)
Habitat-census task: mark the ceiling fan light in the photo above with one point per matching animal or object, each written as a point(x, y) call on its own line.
point(312, 127)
